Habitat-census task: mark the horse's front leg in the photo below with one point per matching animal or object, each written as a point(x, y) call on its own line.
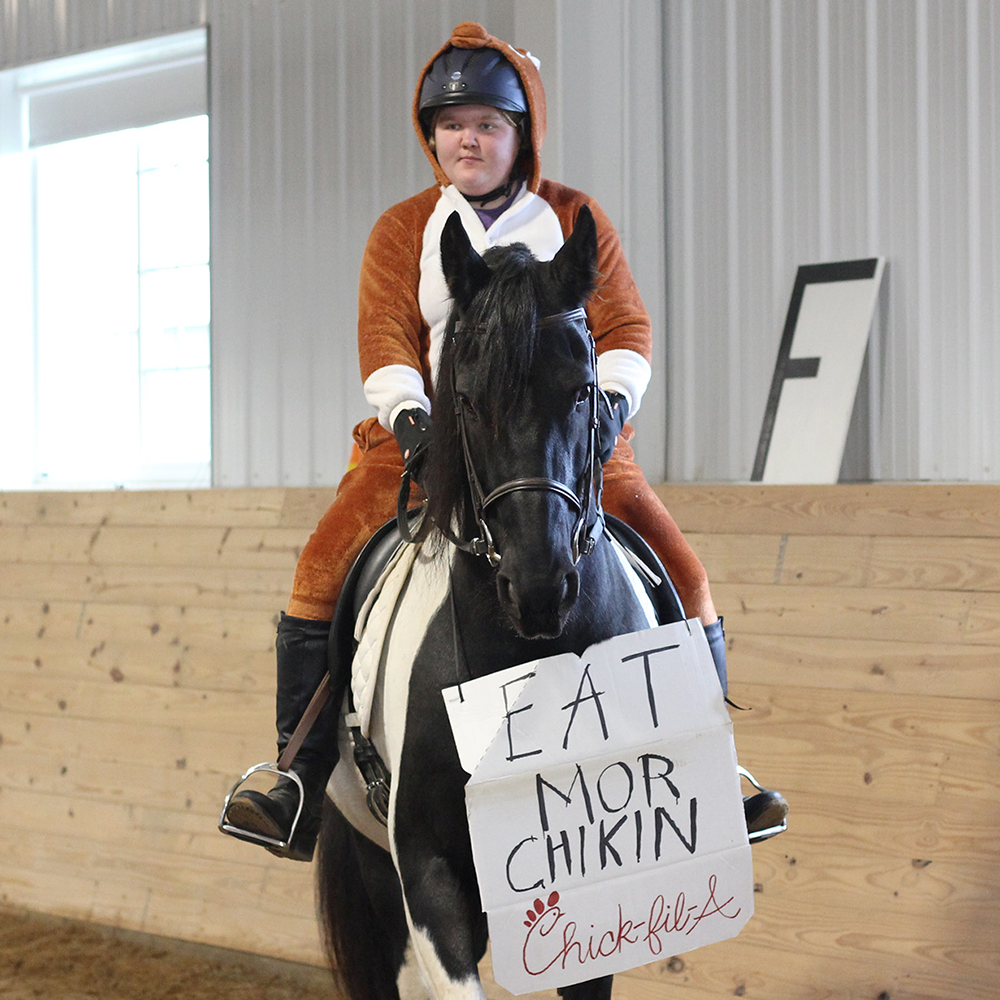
point(433, 855)
point(593, 989)
point(444, 924)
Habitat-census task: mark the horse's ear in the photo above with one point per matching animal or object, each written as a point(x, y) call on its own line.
point(464, 270)
point(574, 267)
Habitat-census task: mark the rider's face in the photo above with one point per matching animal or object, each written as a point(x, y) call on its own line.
point(476, 147)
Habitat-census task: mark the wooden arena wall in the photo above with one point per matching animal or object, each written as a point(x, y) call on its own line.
point(136, 682)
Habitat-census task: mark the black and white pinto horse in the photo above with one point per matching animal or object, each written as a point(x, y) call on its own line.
point(526, 571)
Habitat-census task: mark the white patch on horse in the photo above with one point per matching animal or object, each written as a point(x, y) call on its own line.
point(410, 981)
point(371, 631)
point(441, 985)
point(409, 595)
point(424, 592)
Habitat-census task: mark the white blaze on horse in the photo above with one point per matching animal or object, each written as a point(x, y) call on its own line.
point(514, 564)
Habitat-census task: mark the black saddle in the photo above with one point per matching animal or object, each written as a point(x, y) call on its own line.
point(666, 603)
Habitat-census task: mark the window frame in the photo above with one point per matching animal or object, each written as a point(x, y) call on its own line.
point(132, 85)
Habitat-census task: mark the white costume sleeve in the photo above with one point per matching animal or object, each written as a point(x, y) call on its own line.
point(625, 372)
point(394, 388)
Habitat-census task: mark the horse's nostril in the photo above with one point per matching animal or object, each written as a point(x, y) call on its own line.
point(505, 588)
point(572, 587)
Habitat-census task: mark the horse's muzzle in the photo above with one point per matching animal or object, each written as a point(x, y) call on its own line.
point(538, 605)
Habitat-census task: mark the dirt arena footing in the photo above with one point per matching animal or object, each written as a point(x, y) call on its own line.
point(60, 959)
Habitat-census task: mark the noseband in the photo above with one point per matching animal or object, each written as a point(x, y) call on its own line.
point(584, 534)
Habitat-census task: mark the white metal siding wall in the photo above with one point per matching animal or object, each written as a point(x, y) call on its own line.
point(803, 132)
point(311, 140)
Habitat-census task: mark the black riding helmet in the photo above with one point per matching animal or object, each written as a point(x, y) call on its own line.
point(470, 76)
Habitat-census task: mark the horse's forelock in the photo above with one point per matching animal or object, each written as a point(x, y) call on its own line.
point(503, 322)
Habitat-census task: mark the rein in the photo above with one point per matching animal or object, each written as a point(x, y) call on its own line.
point(584, 534)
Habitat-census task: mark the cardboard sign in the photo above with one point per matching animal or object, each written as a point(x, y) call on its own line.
point(605, 808)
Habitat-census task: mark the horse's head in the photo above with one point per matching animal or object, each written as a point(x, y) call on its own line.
point(515, 408)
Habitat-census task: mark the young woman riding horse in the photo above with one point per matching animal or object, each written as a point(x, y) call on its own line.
point(479, 115)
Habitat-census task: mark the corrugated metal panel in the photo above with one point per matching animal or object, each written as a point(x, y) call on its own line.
point(605, 100)
point(794, 132)
point(821, 131)
point(31, 30)
point(311, 140)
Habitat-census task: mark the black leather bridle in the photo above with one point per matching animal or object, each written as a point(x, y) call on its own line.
point(584, 503)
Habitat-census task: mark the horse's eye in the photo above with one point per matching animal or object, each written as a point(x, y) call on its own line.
point(583, 395)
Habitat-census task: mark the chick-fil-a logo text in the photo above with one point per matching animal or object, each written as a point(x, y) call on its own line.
point(554, 939)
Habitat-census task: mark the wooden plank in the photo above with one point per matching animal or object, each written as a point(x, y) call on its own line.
point(891, 748)
point(210, 648)
point(247, 880)
point(867, 771)
point(221, 649)
point(147, 766)
point(825, 561)
point(183, 784)
point(984, 619)
point(936, 563)
point(267, 548)
point(954, 950)
point(842, 830)
point(110, 701)
point(749, 558)
point(883, 720)
point(969, 510)
point(215, 507)
point(879, 614)
point(141, 890)
point(818, 864)
point(261, 589)
point(183, 833)
point(237, 669)
point(853, 664)
point(925, 563)
point(756, 964)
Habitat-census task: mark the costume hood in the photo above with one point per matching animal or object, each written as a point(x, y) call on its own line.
point(469, 35)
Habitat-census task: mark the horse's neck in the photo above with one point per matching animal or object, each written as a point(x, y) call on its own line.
point(607, 606)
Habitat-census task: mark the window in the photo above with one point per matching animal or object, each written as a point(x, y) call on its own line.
point(104, 268)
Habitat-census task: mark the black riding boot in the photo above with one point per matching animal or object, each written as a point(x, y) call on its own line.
point(302, 651)
point(765, 810)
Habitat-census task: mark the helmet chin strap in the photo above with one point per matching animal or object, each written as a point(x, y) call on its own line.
point(503, 191)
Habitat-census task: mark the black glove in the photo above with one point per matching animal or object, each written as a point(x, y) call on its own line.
point(612, 410)
point(413, 435)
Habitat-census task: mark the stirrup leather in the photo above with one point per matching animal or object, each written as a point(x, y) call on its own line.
point(251, 836)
